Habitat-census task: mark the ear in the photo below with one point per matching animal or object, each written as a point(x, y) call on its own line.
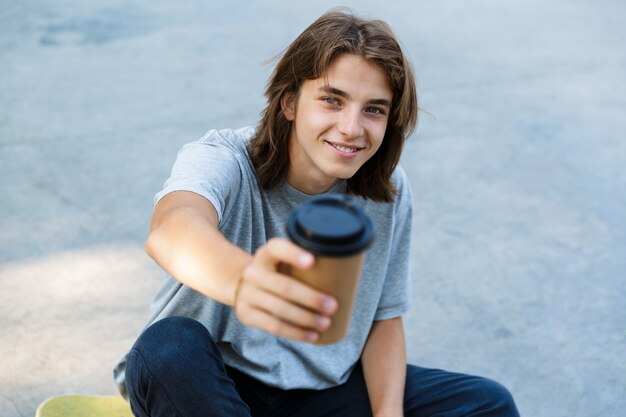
point(288, 105)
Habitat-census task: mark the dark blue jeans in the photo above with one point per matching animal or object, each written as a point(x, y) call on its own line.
point(176, 370)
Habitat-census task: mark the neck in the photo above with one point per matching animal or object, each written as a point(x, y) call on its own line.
point(309, 185)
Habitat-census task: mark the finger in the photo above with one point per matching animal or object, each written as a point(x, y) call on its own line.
point(278, 250)
point(271, 324)
point(289, 288)
point(286, 310)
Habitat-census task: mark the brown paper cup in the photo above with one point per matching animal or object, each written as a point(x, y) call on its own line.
point(337, 231)
point(338, 277)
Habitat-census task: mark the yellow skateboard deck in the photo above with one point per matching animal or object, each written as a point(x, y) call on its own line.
point(84, 406)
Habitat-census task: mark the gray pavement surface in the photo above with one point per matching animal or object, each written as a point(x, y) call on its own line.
point(518, 171)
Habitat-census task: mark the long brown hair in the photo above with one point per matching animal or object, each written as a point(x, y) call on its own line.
point(308, 57)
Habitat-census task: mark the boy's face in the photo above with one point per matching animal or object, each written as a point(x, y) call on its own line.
point(339, 122)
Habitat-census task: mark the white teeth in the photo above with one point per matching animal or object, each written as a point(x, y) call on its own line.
point(344, 149)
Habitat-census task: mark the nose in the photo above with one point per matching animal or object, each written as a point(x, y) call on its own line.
point(350, 124)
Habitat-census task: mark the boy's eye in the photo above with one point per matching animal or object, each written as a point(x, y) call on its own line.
point(330, 100)
point(374, 110)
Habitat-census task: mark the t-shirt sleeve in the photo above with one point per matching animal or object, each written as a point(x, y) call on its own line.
point(206, 167)
point(395, 298)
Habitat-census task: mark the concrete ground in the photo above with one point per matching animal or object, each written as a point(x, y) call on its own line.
point(519, 266)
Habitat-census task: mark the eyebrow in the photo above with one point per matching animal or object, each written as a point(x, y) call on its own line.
point(341, 93)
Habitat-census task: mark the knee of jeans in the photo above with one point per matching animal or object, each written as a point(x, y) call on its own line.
point(167, 341)
point(494, 395)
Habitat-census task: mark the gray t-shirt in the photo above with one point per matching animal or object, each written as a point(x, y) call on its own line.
point(218, 167)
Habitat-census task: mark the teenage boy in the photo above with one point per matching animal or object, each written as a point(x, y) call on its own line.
point(229, 334)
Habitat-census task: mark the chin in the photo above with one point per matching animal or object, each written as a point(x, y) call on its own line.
point(345, 175)
point(342, 172)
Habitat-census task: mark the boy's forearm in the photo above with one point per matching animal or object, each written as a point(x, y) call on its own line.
point(190, 248)
point(384, 367)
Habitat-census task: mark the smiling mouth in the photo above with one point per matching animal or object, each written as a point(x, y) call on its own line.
point(342, 148)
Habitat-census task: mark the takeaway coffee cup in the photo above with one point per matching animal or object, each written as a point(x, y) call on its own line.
point(335, 229)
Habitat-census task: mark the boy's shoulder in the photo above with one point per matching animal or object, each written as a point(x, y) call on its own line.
point(401, 182)
point(224, 142)
point(238, 137)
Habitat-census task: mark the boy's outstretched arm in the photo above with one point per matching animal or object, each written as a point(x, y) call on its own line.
point(185, 241)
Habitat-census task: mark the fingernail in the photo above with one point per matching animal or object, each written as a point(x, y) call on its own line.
point(322, 322)
point(305, 259)
point(311, 337)
point(329, 304)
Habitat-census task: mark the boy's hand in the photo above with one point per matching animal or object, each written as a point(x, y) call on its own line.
point(278, 303)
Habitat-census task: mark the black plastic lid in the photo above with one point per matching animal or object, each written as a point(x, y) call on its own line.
point(330, 225)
